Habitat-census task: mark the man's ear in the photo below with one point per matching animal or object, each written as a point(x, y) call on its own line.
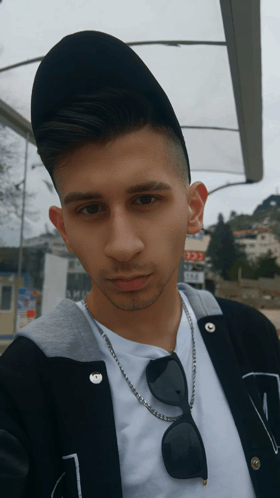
point(56, 217)
point(197, 197)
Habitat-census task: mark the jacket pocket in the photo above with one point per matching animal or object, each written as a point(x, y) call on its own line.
point(269, 388)
point(269, 433)
point(72, 476)
point(59, 488)
point(264, 392)
point(14, 466)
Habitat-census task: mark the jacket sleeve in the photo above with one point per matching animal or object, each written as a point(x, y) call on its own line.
point(276, 342)
point(274, 416)
point(14, 460)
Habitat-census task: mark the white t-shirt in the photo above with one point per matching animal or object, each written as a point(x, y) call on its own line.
point(139, 432)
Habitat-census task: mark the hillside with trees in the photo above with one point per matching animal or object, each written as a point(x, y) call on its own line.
point(225, 256)
point(266, 214)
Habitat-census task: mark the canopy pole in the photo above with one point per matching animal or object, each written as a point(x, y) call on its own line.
point(20, 254)
point(230, 185)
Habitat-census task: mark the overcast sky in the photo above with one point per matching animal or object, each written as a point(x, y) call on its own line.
point(29, 29)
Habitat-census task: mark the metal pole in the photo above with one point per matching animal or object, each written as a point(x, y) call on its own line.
point(21, 232)
point(180, 275)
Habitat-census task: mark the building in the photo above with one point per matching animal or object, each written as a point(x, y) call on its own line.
point(257, 242)
point(8, 282)
point(31, 278)
point(78, 281)
point(52, 242)
point(34, 255)
point(194, 259)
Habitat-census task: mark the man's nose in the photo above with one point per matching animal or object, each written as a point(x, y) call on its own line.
point(123, 240)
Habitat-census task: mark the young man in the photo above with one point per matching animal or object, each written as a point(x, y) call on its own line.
point(147, 387)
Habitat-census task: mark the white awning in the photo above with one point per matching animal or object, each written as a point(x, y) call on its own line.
point(205, 54)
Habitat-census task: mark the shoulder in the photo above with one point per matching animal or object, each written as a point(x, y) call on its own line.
point(252, 331)
point(231, 308)
point(60, 317)
point(56, 331)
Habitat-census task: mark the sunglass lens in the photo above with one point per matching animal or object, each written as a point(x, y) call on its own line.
point(166, 381)
point(182, 452)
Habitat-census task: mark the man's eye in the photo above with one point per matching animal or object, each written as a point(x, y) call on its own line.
point(146, 197)
point(92, 208)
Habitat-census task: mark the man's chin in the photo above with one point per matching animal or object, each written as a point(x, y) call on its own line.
point(130, 301)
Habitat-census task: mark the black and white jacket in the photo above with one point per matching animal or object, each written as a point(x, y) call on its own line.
point(57, 428)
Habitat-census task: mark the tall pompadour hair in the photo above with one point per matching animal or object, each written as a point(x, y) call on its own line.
point(100, 118)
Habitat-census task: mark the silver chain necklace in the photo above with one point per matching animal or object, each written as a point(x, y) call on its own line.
point(140, 398)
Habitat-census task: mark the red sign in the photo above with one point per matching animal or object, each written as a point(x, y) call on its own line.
point(194, 256)
point(30, 313)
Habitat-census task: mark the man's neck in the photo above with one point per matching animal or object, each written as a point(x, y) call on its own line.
point(156, 325)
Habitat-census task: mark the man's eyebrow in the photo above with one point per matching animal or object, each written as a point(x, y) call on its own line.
point(134, 189)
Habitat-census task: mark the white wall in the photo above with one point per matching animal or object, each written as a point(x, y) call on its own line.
point(55, 280)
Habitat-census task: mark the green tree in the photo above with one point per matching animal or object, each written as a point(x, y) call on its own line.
point(266, 266)
point(232, 215)
point(223, 250)
point(247, 270)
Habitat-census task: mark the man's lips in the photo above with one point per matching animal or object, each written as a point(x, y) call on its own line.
point(128, 279)
point(130, 285)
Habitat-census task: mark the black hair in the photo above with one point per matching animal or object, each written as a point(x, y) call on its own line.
point(100, 118)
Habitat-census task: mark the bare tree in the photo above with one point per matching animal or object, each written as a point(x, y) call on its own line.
point(11, 184)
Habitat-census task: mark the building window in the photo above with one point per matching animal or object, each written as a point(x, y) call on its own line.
point(263, 237)
point(6, 297)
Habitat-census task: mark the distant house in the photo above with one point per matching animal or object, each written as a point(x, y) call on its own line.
point(258, 241)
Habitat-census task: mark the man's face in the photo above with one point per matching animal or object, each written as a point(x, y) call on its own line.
point(124, 234)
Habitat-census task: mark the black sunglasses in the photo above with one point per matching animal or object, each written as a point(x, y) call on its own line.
point(182, 446)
